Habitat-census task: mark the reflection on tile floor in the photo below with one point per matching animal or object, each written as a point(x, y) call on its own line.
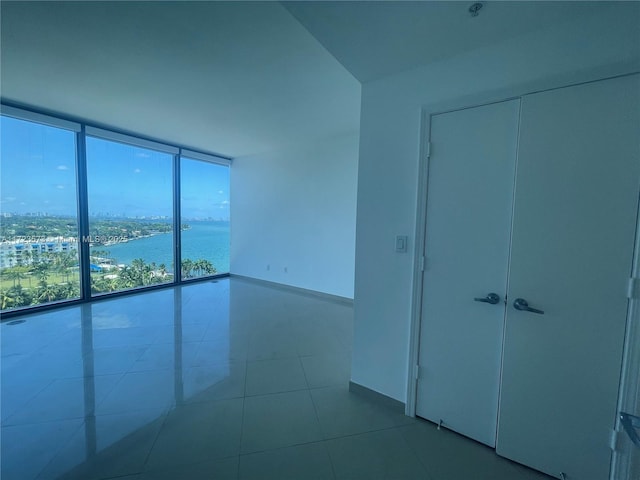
point(229, 379)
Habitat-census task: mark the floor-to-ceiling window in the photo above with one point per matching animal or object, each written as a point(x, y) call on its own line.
point(39, 214)
point(130, 199)
point(86, 212)
point(204, 193)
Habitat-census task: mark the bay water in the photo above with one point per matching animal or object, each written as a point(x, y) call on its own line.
point(203, 240)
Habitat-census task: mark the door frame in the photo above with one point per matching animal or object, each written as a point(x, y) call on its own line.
point(463, 103)
point(421, 233)
point(629, 390)
point(427, 113)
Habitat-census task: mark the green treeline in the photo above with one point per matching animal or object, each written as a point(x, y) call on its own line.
point(52, 277)
point(35, 277)
point(40, 277)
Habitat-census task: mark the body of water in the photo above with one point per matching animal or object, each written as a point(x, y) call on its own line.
point(204, 240)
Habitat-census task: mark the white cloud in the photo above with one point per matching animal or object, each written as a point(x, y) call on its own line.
point(220, 192)
point(142, 155)
point(137, 170)
point(60, 187)
point(62, 167)
point(10, 199)
point(225, 202)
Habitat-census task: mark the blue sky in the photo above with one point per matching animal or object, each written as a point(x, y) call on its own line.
point(38, 175)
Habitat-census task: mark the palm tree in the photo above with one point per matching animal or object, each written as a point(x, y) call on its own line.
point(153, 274)
point(100, 255)
point(72, 290)
point(47, 293)
point(197, 268)
point(208, 267)
point(20, 296)
point(112, 284)
point(64, 262)
point(42, 271)
point(162, 268)
point(187, 267)
point(15, 273)
point(98, 284)
point(35, 256)
point(48, 257)
point(127, 278)
point(27, 257)
point(30, 265)
point(6, 299)
point(140, 271)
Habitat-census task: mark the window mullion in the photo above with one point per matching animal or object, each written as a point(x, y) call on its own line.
point(177, 222)
point(83, 215)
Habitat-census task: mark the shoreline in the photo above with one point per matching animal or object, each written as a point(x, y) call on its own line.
point(202, 241)
point(127, 240)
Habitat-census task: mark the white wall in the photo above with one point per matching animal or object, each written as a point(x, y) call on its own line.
point(296, 209)
point(589, 48)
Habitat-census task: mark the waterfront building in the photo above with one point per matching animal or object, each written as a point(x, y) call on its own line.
point(14, 252)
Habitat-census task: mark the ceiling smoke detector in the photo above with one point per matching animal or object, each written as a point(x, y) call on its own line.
point(475, 8)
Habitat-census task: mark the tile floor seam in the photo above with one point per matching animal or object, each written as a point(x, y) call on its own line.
point(38, 392)
point(324, 439)
point(306, 379)
point(428, 467)
point(106, 395)
point(43, 422)
point(155, 440)
point(276, 393)
point(128, 369)
point(244, 406)
point(416, 455)
point(59, 449)
point(326, 450)
point(364, 432)
point(277, 449)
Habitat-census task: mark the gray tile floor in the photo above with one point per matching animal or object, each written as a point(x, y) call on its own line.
point(217, 380)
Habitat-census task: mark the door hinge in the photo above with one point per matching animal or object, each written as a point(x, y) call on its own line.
point(634, 288)
point(428, 150)
point(422, 262)
point(615, 441)
point(416, 372)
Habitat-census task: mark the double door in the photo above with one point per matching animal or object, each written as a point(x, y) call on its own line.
point(531, 214)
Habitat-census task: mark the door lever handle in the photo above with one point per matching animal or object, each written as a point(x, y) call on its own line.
point(492, 298)
point(523, 305)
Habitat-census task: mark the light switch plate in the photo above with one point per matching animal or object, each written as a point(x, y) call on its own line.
point(401, 243)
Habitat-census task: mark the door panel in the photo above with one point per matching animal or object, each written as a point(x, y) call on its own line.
point(573, 234)
point(470, 190)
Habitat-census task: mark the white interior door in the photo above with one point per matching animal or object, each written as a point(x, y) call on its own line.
point(469, 200)
point(575, 211)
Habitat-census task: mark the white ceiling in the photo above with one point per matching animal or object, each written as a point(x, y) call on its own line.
point(376, 39)
point(238, 78)
point(227, 78)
